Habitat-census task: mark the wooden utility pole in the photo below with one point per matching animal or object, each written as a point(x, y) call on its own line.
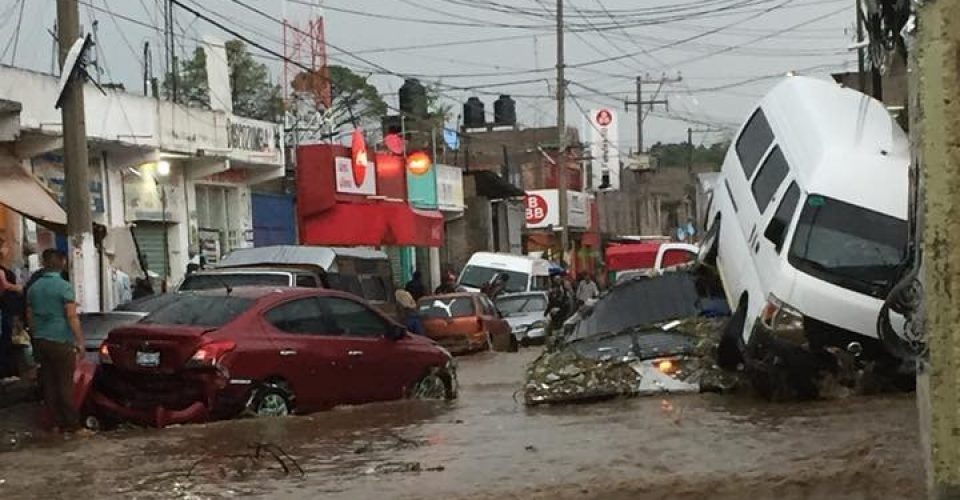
point(83, 268)
point(562, 139)
point(935, 131)
point(640, 103)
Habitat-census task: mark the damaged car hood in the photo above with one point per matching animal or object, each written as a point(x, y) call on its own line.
point(643, 337)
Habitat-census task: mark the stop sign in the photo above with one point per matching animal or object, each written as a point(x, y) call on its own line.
point(536, 209)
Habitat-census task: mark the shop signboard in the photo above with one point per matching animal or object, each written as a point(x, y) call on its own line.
point(49, 168)
point(542, 209)
point(449, 188)
point(422, 184)
point(353, 178)
point(602, 131)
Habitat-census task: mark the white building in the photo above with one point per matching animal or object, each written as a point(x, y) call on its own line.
point(179, 178)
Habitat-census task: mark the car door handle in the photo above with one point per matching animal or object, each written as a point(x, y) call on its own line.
point(288, 352)
point(354, 353)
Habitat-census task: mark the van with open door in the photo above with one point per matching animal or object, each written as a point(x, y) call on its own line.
point(808, 226)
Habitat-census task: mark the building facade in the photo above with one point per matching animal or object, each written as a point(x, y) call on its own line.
point(167, 182)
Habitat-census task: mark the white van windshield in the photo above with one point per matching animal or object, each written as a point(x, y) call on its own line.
point(847, 245)
point(477, 276)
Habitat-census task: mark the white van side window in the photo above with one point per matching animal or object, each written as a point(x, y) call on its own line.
point(770, 177)
point(754, 142)
point(776, 230)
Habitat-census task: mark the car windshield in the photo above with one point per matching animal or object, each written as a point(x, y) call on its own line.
point(456, 307)
point(200, 310)
point(849, 246)
point(214, 281)
point(477, 276)
point(522, 304)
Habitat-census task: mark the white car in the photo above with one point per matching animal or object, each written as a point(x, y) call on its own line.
point(527, 315)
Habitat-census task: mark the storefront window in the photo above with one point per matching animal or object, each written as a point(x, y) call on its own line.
point(218, 220)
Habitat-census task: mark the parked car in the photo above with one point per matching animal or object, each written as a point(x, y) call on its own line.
point(523, 273)
point(263, 351)
point(809, 227)
point(647, 259)
point(211, 279)
point(364, 272)
point(147, 304)
point(466, 322)
point(526, 313)
point(96, 326)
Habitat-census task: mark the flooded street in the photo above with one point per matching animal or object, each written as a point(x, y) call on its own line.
point(488, 445)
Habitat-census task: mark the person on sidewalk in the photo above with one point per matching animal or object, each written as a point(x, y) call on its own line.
point(57, 338)
point(587, 289)
point(11, 312)
point(416, 287)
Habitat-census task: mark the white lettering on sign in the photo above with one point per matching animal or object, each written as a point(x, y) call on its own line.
point(536, 209)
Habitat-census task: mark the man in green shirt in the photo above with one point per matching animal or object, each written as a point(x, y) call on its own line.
point(57, 337)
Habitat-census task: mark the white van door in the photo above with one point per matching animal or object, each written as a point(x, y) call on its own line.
point(753, 149)
point(766, 184)
point(772, 243)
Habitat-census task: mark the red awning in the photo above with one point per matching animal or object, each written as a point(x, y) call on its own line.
point(373, 224)
point(640, 256)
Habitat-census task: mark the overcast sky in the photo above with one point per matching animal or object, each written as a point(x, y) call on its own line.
point(714, 44)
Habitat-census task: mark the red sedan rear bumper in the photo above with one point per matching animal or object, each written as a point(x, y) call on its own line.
point(160, 402)
point(156, 417)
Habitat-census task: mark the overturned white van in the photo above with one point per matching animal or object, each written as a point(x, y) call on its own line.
point(807, 225)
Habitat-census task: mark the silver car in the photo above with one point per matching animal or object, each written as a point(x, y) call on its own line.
point(527, 315)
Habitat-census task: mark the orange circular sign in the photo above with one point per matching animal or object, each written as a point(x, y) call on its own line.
point(418, 163)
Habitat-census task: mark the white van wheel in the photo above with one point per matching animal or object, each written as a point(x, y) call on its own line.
point(729, 356)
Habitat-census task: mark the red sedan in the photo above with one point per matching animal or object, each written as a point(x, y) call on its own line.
point(263, 351)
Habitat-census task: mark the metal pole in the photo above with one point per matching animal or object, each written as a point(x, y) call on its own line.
point(83, 266)
point(640, 114)
point(861, 58)
point(935, 125)
point(166, 236)
point(561, 138)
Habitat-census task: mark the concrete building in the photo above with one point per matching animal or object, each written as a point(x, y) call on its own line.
point(176, 179)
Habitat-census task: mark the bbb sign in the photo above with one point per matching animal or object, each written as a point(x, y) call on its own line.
point(536, 210)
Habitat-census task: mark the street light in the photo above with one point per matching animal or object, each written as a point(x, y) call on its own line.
point(163, 168)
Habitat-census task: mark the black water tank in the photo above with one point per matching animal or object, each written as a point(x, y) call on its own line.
point(392, 124)
point(413, 98)
point(504, 112)
point(474, 115)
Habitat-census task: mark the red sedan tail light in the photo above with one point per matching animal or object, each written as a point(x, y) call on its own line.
point(211, 353)
point(105, 358)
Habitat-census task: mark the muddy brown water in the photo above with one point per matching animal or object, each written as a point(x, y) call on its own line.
point(488, 445)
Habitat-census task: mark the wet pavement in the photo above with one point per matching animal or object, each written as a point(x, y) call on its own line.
point(489, 445)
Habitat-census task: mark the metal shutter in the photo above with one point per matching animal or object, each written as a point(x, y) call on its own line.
point(149, 238)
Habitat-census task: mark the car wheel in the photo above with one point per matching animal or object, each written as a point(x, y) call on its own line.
point(431, 386)
point(270, 401)
point(729, 356)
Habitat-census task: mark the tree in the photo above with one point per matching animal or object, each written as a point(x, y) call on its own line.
point(677, 154)
point(354, 101)
point(251, 92)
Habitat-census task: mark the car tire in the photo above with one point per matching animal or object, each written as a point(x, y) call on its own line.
point(729, 355)
point(432, 386)
point(270, 400)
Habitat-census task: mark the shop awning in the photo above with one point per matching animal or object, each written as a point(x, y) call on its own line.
point(23, 193)
point(492, 186)
point(373, 224)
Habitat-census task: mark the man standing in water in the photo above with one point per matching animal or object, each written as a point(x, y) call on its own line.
point(57, 338)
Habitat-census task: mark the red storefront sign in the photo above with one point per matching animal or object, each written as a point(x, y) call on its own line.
point(359, 210)
point(536, 209)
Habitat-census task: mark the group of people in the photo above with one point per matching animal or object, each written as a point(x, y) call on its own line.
point(567, 296)
point(413, 291)
point(39, 316)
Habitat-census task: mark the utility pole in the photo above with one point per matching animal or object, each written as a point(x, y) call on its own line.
point(935, 126)
point(562, 139)
point(640, 103)
point(83, 268)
